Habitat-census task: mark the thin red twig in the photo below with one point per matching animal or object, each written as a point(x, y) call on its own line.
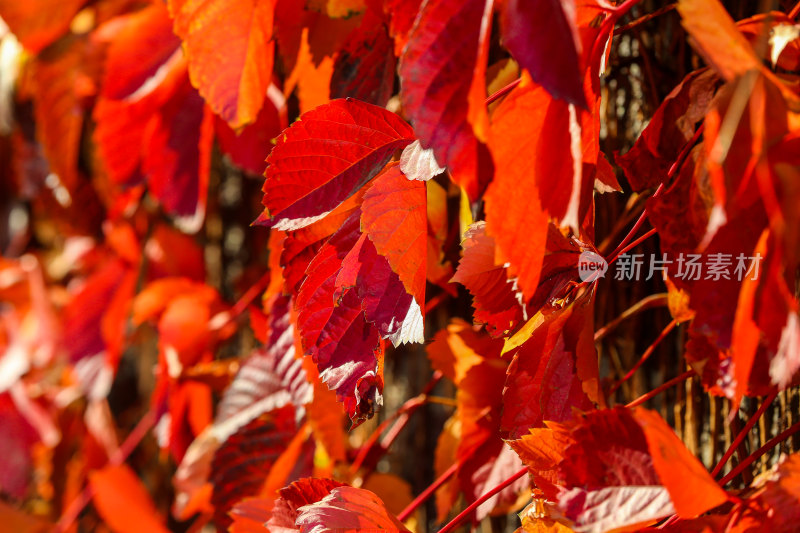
point(632, 245)
point(408, 408)
point(795, 11)
point(769, 445)
point(654, 300)
point(647, 353)
point(425, 494)
point(502, 92)
point(645, 18)
point(674, 381)
point(249, 296)
point(743, 433)
point(463, 515)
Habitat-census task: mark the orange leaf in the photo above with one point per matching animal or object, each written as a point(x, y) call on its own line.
point(514, 213)
point(692, 489)
point(394, 217)
point(123, 502)
point(235, 82)
point(39, 22)
point(443, 87)
point(717, 38)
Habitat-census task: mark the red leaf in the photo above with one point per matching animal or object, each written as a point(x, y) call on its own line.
point(94, 321)
point(781, 493)
point(325, 157)
point(443, 87)
point(542, 37)
point(123, 502)
point(17, 440)
point(345, 347)
point(394, 216)
point(302, 245)
point(37, 24)
point(143, 65)
point(177, 156)
point(545, 378)
point(714, 33)
point(151, 123)
point(385, 302)
point(692, 489)
point(598, 468)
point(244, 460)
point(402, 13)
point(614, 508)
point(249, 148)
point(269, 379)
point(673, 124)
point(365, 66)
point(64, 79)
point(348, 509)
point(493, 296)
point(515, 217)
point(141, 44)
point(234, 83)
point(298, 494)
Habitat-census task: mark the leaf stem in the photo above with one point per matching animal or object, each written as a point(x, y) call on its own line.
point(647, 17)
point(502, 92)
point(676, 166)
point(647, 353)
point(247, 298)
point(743, 433)
point(463, 515)
point(403, 414)
point(795, 11)
point(425, 494)
point(632, 245)
point(769, 445)
point(674, 381)
point(654, 300)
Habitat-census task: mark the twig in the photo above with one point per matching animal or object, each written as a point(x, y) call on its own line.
point(647, 353)
point(463, 515)
point(743, 433)
point(759, 452)
point(425, 494)
point(674, 381)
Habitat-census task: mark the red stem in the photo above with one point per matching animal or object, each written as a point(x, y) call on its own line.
point(645, 18)
point(795, 11)
point(684, 153)
point(632, 245)
point(647, 353)
point(607, 28)
point(463, 515)
point(419, 500)
point(434, 302)
point(770, 444)
point(131, 442)
point(408, 408)
point(743, 433)
point(247, 298)
point(654, 300)
point(674, 381)
point(502, 92)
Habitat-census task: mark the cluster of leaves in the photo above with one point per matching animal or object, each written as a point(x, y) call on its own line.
point(411, 148)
